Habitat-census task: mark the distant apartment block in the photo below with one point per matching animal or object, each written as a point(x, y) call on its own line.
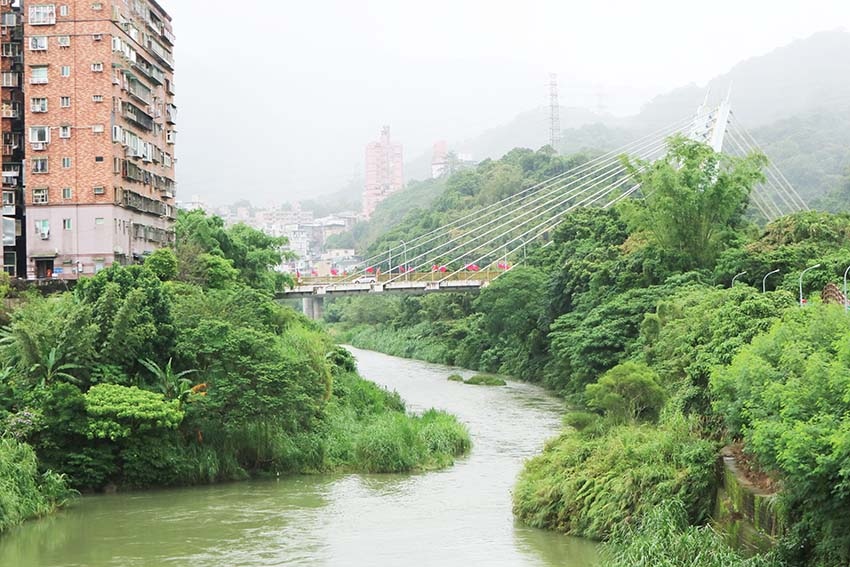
point(384, 171)
point(99, 133)
point(440, 159)
point(14, 220)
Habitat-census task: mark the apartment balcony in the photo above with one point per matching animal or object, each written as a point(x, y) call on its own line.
point(139, 91)
point(149, 71)
point(138, 116)
point(170, 113)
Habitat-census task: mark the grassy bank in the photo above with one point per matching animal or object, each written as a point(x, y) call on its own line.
point(593, 482)
point(24, 492)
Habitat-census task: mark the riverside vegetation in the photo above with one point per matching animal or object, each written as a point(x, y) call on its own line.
point(184, 370)
point(629, 315)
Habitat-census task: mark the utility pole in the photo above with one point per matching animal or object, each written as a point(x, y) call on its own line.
point(554, 113)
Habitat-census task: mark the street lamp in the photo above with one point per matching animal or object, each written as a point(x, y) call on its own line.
point(845, 287)
point(764, 280)
point(736, 277)
point(801, 281)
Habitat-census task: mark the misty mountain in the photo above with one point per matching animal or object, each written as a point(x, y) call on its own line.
point(527, 130)
point(794, 100)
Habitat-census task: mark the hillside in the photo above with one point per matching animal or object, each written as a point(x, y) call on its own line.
point(794, 101)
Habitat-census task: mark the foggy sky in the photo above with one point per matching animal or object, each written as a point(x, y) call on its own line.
point(278, 98)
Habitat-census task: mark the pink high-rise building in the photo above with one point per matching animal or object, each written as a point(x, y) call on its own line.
point(384, 171)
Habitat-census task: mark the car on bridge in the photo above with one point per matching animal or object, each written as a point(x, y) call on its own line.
point(366, 279)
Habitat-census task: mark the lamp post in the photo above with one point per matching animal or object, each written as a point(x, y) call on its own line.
point(801, 281)
point(736, 277)
point(845, 287)
point(764, 280)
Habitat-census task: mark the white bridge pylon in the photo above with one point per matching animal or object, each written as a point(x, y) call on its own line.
point(474, 248)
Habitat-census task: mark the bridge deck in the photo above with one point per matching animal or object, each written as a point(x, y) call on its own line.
point(415, 284)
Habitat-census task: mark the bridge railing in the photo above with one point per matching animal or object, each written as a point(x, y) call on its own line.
point(481, 275)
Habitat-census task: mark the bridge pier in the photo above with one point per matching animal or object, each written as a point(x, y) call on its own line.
point(313, 307)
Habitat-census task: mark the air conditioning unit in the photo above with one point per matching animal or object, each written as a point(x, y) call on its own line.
point(39, 146)
point(45, 234)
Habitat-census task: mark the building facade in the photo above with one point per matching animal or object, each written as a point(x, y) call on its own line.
point(384, 171)
point(100, 129)
point(14, 221)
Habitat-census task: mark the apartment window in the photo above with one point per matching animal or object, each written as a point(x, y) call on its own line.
point(65, 70)
point(98, 159)
point(65, 132)
point(39, 134)
point(39, 165)
point(97, 37)
point(66, 224)
point(63, 10)
point(39, 104)
point(10, 79)
point(8, 19)
point(97, 6)
point(97, 128)
point(97, 98)
point(11, 49)
point(97, 67)
point(39, 74)
point(66, 192)
point(98, 220)
point(42, 227)
point(40, 196)
point(99, 191)
point(38, 43)
point(43, 15)
point(66, 163)
point(65, 101)
point(64, 40)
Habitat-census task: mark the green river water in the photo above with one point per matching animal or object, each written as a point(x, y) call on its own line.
point(459, 516)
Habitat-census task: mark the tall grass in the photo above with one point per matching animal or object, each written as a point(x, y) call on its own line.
point(24, 493)
point(663, 538)
point(368, 430)
point(591, 483)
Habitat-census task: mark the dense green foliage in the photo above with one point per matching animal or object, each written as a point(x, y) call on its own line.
point(787, 395)
point(628, 313)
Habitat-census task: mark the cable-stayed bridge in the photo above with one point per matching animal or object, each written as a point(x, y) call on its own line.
point(469, 252)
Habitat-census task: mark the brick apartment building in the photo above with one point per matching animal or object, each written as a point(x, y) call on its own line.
point(384, 171)
point(14, 241)
point(95, 152)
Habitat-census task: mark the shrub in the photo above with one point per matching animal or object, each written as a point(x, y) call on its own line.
point(627, 392)
point(455, 378)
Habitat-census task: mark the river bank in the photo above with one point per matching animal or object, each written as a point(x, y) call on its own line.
point(460, 515)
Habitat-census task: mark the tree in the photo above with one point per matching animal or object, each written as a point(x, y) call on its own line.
point(163, 263)
point(691, 197)
point(628, 392)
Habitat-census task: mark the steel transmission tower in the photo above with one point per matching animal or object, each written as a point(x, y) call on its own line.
point(554, 113)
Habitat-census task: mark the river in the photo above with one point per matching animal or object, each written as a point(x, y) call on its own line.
point(457, 516)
